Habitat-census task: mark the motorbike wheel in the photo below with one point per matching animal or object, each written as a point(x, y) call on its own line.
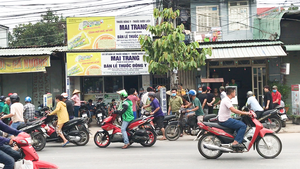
point(85, 137)
point(152, 138)
point(274, 124)
point(102, 139)
point(172, 132)
point(209, 139)
point(269, 146)
point(39, 141)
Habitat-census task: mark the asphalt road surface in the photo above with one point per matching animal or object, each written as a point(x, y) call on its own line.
point(182, 153)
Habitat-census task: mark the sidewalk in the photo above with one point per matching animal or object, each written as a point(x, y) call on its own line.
point(290, 128)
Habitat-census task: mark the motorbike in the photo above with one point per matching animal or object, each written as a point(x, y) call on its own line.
point(23, 141)
point(74, 130)
point(84, 114)
point(283, 116)
point(188, 125)
point(101, 114)
point(136, 130)
point(217, 139)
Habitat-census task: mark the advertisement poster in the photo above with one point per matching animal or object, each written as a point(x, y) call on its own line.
point(24, 64)
point(106, 63)
point(295, 99)
point(107, 97)
point(106, 32)
point(47, 100)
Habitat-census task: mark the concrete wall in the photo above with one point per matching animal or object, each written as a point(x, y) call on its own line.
point(224, 19)
point(3, 37)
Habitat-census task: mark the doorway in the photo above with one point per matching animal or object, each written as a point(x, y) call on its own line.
point(258, 82)
point(132, 82)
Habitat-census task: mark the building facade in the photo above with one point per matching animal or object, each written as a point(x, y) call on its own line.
point(4, 36)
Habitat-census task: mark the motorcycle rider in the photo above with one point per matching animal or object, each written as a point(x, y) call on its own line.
point(2, 100)
point(198, 111)
point(69, 104)
point(252, 103)
point(16, 111)
point(6, 110)
point(158, 114)
point(8, 155)
point(224, 113)
point(29, 110)
point(127, 116)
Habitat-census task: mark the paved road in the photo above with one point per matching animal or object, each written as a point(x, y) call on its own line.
point(182, 153)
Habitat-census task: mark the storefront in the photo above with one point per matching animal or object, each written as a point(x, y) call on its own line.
point(250, 64)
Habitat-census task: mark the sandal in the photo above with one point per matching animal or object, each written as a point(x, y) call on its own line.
point(65, 144)
point(126, 146)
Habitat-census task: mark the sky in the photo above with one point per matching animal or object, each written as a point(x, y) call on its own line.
point(14, 12)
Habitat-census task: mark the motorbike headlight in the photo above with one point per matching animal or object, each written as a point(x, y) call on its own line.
point(29, 140)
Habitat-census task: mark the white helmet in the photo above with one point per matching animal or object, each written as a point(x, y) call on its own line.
point(65, 95)
point(249, 93)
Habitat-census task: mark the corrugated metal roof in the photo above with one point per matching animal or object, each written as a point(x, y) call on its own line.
point(240, 44)
point(247, 52)
point(31, 51)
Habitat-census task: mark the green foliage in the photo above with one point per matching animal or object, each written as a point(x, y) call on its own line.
point(168, 51)
point(284, 90)
point(293, 7)
point(48, 31)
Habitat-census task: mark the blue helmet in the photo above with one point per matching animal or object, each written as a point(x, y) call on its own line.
point(27, 99)
point(192, 92)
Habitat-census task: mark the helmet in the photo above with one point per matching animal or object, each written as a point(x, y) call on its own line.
point(249, 93)
point(151, 94)
point(192, 92)
point(9, 94)
point(123, 94)
point(14, 98)
point(65, 95)
point(2, 98)
point(27, 99)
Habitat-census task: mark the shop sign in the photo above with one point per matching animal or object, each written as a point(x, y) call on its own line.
point(106, 63)
point(24, 64)
point(106, 32)
point(285, 68)
point(47, 100)
point(295, 99)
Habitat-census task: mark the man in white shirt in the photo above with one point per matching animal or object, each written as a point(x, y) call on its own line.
point(223, 93)
point(225, 110)
point(145, 98)
point(16, 111)
point(253, 103)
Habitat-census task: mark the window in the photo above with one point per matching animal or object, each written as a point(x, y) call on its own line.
point(238, 15)
point(113, 84)
point(207, 17)
point(93, 85)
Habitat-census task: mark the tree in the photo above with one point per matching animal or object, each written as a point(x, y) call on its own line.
point(169, 53)
point(293, 7)
point(49, 31)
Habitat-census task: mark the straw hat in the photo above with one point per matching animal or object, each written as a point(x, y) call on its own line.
point(76, 91)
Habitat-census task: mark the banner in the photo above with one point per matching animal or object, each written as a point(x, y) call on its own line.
point(24, 64)
point(106, 32)
point(47, 100)
point(106, 63)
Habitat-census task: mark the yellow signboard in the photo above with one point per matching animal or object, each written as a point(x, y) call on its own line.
point(24, 64)
point(91, 33)
point(84, 64)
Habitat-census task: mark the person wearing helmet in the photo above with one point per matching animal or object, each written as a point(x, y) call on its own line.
point(6, 110)
point(252, 103)
point(16, 111)
point(197, 106)
point(69, 104)
point(127, 116)
point(29, 110)
point(2, 100)
point(157, 112)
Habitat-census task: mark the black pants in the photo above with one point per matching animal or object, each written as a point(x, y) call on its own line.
point(210, 109)
point(275, 105)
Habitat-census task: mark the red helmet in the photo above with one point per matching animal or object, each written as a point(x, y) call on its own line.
point(9, 94)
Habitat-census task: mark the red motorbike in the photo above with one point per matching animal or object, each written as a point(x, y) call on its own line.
point(23, 141)
point(137, 130)
point(216, 139)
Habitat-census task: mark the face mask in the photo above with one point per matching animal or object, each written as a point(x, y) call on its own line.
point(149, 99)
point(199, 91)
point(274, 91)
point(173, 94)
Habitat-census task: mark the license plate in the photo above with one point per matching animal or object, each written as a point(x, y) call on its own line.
point(84, 115)
point(99, 115)
point(283, 117)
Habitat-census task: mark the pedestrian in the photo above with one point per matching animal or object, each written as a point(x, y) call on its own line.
point(157, 94)
point(141, 92)
point(5, 110)
point(157, 112)
point(268, 100)
point(16, 111)
point(91, 108)
point(202, 96)
point(127, 116)
point(197, 107)
point(76, 101)
point(133, 96)
point(175, 103)
point(252, 102)
point(145, 100)
point(69, 105)
point(276, 97)
point(2, 100)
point(63, 117)
point(112, 106)
point(210, 101)
point(233, 83)
point(217, 96)
point(29, 110)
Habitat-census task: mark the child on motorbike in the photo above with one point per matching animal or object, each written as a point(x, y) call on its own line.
point(63, 117)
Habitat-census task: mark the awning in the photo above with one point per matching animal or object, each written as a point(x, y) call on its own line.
point(247, 52)
point(212, 80)
point(294, 47)
point(31, 51)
